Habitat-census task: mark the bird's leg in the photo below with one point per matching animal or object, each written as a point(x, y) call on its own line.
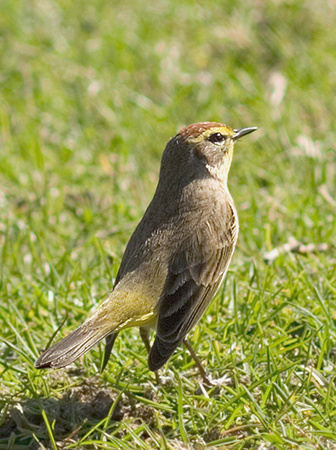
point(144, 334)
point(198, 363)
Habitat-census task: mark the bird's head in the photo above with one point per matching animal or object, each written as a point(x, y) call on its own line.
point(203, 149)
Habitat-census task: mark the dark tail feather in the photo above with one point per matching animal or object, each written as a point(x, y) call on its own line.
point(70, 348)
point(110, 339)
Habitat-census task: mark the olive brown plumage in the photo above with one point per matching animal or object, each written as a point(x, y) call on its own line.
point(177, 256)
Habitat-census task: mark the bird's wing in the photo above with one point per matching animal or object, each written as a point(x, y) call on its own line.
point(194, 275)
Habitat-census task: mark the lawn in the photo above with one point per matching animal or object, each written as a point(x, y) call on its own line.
point(90, 92)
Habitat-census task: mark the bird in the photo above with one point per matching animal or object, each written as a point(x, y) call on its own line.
point(177, 256)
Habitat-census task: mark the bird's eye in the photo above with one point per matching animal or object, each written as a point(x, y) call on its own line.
point(216, 138)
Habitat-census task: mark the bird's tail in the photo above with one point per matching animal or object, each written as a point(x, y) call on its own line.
point(113, 315)
point(71, 347)
point(93, 330)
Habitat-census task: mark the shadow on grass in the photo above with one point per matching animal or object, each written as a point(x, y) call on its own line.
point(73, 415)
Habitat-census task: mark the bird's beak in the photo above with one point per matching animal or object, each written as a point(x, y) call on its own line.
point(242, 132)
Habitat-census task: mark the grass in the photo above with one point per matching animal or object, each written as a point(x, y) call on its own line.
point(89, 94)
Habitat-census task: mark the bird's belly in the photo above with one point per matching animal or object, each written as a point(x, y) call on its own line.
point(135, 299)
point(147, 321)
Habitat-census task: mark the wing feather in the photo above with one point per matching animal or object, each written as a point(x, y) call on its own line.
point(194, 275)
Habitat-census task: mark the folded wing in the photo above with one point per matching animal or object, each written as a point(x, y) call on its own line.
point(194, 275)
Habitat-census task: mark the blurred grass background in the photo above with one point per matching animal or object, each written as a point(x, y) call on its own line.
point(90, 92)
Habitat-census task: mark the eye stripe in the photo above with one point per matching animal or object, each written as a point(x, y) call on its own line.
point(205, 135)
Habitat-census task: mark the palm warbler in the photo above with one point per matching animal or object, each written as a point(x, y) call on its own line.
point(177, 256)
